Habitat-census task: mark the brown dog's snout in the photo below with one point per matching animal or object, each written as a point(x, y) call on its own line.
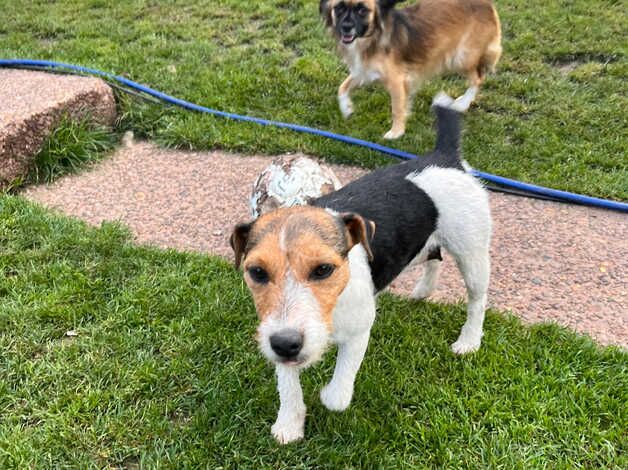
point(346, 27)
point(347, 23)
point(287, 343)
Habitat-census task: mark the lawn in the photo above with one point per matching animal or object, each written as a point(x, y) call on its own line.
point(164, 372)
point(554, 114)
point(161, 370)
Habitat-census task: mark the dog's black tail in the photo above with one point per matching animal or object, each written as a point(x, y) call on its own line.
point(449, 127)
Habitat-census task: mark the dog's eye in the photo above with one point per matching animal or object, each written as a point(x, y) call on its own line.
point(362, 10)
point(322, 271)
point(258, 274)
point(340, 8)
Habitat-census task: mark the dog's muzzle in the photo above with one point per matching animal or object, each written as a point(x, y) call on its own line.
point(287, 343)
point(347, 33)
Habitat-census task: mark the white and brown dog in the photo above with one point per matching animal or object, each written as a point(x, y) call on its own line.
point(314, 270)
point(404, 48)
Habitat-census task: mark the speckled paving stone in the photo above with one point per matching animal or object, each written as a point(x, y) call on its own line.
point(549, 261)
point(31, 105)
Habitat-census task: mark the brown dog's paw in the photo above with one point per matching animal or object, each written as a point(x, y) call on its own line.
point(394, 134)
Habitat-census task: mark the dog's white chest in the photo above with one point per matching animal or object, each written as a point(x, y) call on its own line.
point(360, 71)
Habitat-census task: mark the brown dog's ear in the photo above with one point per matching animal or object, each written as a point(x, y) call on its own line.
point(238, 240)
point(360, 231)
point(325, 11)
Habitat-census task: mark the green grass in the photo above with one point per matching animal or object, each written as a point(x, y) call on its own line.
point(71, 146)
point(554, 113)
point(164, 372)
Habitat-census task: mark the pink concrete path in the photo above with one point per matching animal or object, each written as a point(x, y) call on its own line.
point(550, 261)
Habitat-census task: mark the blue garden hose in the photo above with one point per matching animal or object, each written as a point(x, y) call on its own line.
point(516, 187)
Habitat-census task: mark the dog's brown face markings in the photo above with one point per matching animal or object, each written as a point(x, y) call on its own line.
point(304, 246)
point(351, 19)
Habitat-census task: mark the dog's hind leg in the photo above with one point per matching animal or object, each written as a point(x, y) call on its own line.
point(477, 72)
point(493, 51)
point(491, 57)
point(344, 97)
point(475, 269)
point(467, 239)
point(463, 102)
point(431, 271)
point(464, 230)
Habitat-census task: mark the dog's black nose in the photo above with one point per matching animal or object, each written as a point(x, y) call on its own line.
point(287, 343)
point(346, 28)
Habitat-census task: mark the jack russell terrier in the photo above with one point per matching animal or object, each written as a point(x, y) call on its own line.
point(314, 271)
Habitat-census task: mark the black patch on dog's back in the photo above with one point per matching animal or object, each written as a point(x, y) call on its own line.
point(404, 216)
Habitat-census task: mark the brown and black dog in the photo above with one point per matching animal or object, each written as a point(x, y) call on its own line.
point(403, 48)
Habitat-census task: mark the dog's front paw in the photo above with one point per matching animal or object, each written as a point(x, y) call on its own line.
point(288, 431)
point(394, 134)
point(469, 340)
point(346, 106)
point(466, 345)
point(336, 398)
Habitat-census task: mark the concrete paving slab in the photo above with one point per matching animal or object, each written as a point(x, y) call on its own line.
point(32, 103)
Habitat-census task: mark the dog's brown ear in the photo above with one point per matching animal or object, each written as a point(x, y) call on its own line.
point(325, 11)
point(238, 241)
point(360, 230)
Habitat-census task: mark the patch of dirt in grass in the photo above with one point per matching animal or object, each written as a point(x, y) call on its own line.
point(566, 63)
point(179, 417)
point(568, 67)
point(130, 463)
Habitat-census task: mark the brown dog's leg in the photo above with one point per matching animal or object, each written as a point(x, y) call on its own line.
point(397, 88)
point(463, 102)
point(344, 98)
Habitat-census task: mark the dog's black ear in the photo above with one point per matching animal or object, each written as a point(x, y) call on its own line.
point(360, 230)
point(238, 241)
point(325, 11)
point(385, 5)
